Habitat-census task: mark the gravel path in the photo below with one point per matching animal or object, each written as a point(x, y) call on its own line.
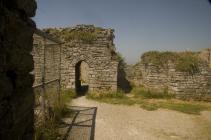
point(120, 122)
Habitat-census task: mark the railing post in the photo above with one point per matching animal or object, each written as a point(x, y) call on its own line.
point(43, 80)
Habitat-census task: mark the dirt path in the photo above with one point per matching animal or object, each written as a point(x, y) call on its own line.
point(119, 122)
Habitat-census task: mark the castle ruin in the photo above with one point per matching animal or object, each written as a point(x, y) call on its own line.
point(88, 58)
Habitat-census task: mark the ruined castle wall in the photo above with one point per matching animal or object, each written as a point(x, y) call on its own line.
point(46, 56)
point(102, 67)
point(38, 57)
point(99, 54)
point(16, 94)
point(182, 84)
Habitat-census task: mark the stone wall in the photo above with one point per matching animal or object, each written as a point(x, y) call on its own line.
point(46, 56)
point(182, 84)
point(97, 50)
point(16, 94)
point(99, 56)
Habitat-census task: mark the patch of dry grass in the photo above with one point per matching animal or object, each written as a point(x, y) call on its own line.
point(150, 100)
point(48, 129)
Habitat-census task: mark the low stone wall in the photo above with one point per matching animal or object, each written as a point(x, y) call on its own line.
point(16, 94)
point(183, 84)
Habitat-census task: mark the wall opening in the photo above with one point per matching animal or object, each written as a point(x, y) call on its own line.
point(122, 82)
point(81, 78)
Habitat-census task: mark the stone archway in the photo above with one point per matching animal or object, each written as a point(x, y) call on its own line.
point(97, 50)
point(81, 78)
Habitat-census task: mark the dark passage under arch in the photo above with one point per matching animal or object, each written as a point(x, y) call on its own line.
point(81, 78)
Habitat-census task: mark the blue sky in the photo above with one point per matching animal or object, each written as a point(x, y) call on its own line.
point(140, 25)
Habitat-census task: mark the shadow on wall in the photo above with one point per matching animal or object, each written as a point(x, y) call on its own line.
point(122, 82)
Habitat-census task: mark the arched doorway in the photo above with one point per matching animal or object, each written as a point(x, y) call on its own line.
point(81, 78)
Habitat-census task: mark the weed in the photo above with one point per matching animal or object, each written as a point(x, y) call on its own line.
point(47, 130)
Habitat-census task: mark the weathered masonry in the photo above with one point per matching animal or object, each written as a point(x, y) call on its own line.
point(16, 63)
point(46, 56)
point(88, 58)
point(184, 85)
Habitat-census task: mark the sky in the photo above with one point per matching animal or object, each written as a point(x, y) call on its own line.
point(140, 25)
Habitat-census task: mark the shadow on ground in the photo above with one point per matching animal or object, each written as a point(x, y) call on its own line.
point(81, 126)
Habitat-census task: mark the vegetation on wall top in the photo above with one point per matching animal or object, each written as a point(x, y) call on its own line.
point(184, 61)
point(80, 35)
point(86, 37)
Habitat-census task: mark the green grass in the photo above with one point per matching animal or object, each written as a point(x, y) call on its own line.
point(184, 107)
point(110, 97)
point(48, 129)
point(150, 100)
point(142, 92)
